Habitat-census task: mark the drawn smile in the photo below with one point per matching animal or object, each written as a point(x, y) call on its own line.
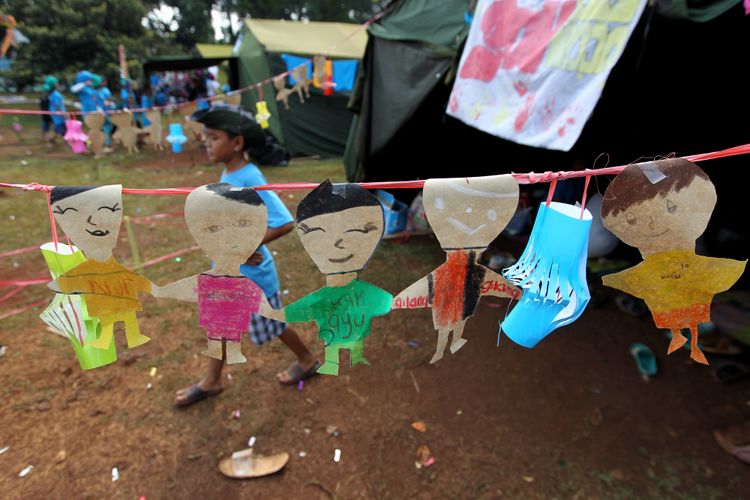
point(98, 232)
point(654, 235)
point(463, 227)
point(341, 260)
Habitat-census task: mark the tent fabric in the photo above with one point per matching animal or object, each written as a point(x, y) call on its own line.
point(335, 40)
point(699, 11)
point(214, 50)
point(439, 24)
point(320, 125)
point(294, 61)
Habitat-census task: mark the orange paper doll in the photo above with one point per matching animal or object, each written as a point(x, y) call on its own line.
point(661, 208)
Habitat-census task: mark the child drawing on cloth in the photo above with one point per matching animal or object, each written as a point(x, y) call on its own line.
point(228, 223)
point(234, 138)
point(661, 208)
point(340, 227)
point(466, 214)
point(91, 217)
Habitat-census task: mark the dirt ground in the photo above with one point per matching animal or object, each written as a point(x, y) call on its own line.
point(569, 419)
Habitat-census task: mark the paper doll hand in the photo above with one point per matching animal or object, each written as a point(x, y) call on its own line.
point(184, 289)
point(54, 286)
point(497, 286)
point(413, 297)
point(269, 312)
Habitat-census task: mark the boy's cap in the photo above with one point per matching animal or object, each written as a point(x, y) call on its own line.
point(235, 120)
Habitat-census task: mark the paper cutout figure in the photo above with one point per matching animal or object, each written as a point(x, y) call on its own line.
point(661, 208)
point(91, 218)
point(262, 116)
point(552, 273)
point(233, 99)
point(301, 82)
point(282, 93)
point(340, 226)
point(95, 122)
point(126, 132)
point(154, 129)
point(466, 214)
point(68, 316)
point(176, 137)
point(194, 130)
point(75, 137)
point(229, 224)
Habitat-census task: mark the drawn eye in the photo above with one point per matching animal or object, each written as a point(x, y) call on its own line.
point(241, 223)
point(213, 229)
point(370, 226)
point(671, 207)
point(306, 229)
point(113, 208)
point(61, 211)
point(630, 218)
point(491, 214)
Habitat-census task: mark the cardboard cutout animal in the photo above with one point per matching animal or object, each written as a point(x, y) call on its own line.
point(126, 132)
point(95, 122)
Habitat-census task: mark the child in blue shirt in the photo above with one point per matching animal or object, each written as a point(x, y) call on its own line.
point(54, 103)
point(231, 134)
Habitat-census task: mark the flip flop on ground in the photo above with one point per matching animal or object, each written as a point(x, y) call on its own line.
point(243, 464)
point(194, 393)
point(296, 373)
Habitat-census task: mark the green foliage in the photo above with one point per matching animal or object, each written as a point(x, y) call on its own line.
point(190, 23)
point(70, 35)
point(353, 11)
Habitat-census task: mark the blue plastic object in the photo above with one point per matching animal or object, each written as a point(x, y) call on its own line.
point(395, 212)
point(176, 137)
point(644, 359)
point(552, 274)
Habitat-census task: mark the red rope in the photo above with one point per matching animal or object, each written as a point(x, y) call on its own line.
point(528, 178)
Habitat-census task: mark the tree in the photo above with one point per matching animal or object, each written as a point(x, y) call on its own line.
point(70, 35)
point(190, 22)
point(353, 11)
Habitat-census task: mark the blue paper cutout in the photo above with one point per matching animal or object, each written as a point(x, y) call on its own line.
point(552, 274)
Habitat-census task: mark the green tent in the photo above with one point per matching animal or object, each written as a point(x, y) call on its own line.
point(320, 125)
point(412, 53)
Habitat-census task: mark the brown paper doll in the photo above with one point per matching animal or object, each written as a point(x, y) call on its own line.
point(466, 214)
point(126, 132)
point(661, 208)
point(95, 122)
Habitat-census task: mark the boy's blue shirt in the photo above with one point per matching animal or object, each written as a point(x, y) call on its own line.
point(264, 275)
point(56, 104)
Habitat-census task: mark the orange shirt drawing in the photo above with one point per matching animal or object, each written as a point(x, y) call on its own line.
point(109, 287)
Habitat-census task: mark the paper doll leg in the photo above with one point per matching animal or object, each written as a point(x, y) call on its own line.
point(132, 331)
point(678, 340)
point(458, 341)
point(214, 349)
point(107, 332)
point(356, 356)
point(234, 353)
point(695, 353)
point(331, 366)
point(441, 342)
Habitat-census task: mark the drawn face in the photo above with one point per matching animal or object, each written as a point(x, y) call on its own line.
point(342, 242)
point(469, 212)
point(91, 219)
point(227, 231)
point(666, 222)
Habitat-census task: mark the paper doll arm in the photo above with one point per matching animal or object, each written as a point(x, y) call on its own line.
point(723, 274)
point(414, 296)
point(626, 280)
point(497, 286)
point(54, 286)
point(69, 285)
point(269, 312)
point(185, 289)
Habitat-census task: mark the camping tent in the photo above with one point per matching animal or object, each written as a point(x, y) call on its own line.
point(320, 125)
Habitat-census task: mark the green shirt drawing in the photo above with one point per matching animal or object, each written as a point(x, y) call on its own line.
point(344, 317)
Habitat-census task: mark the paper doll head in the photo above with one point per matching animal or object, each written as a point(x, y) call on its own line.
point(90, 216)
point(340, 226)
point(227, 222)
point(659, 206)
point(469, 212)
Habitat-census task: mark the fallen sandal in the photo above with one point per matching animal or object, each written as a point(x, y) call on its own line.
point(735, 440)
point(644, 359)
point(194, 393)
point(296, 373)
point(243, 464)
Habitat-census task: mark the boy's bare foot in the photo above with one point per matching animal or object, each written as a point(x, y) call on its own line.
point(299, 370)
point(197, 392)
